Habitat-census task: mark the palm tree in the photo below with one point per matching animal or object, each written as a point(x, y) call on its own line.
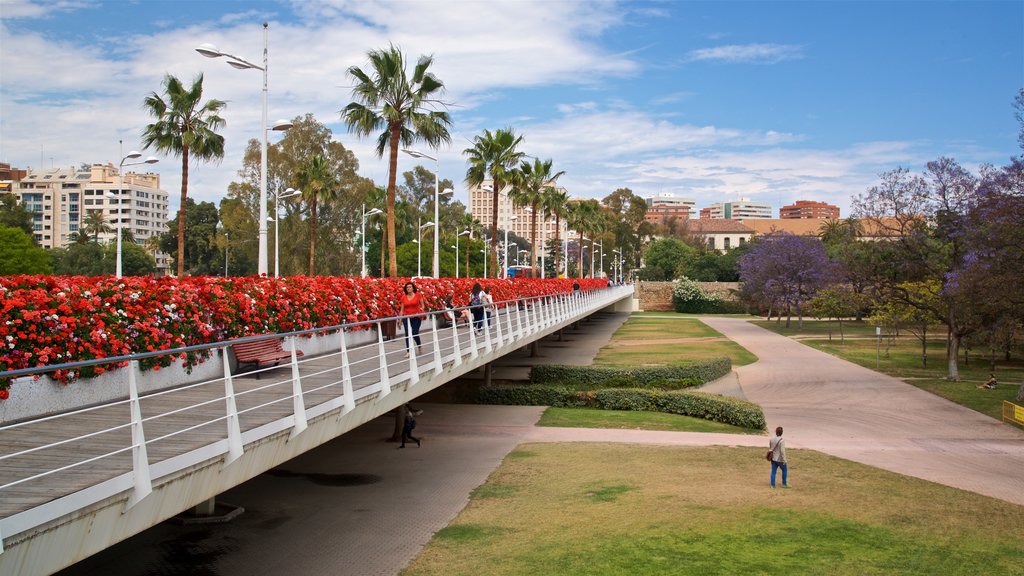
point(584, 217)
point(529, 183)
point(185, 128)
point(495, 155)
point(387, 99)
point(95, 223)
point(80, 237)
point(318, 184)
point(555, 203)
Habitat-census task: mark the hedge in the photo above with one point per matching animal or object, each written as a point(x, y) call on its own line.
point(595, 377)
point(682, 402)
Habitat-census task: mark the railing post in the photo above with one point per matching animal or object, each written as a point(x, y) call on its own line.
point(497, 326)
point(473, 353)
point(536, 315)
point(234, 431)
point(140, 457)
point(385, 381)
point(487, 334)
point(297, 399)
point(456, 345)
point(438, 365)
point(348, 393)
point(508, 324)
point(519, 320)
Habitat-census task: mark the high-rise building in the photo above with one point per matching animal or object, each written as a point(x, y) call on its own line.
point(809, 209)
point(738, 210)
point(481, 202)
point(665, 205)
point(60, 198)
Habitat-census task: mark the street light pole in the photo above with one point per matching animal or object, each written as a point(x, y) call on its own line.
point(504, 273)
point(565, 252)
point(419, 247)
point(211, 51)
point(290, 192)
point(463, 233)
point(362, 235)
point(437, 196)
point(120, 201)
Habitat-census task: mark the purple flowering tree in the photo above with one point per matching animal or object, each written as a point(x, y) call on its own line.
point(783, 270)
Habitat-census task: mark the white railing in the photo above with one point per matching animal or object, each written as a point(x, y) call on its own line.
point(130, 444)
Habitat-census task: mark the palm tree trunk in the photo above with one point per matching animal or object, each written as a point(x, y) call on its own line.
point(533, 241)
point(181, 211)
point(494, 228)
point(312, 232)
point(393, 167)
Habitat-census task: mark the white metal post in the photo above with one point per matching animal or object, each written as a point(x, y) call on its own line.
point(385, 380)
point(140, 456)
point(234, 431)
point(297, 400)
point(438, 365)
point(346, 379)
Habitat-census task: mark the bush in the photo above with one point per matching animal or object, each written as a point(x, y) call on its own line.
point(595, 377)
point(688, 296)
point(682, 402)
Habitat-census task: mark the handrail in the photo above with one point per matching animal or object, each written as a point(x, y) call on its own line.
point(294, 398)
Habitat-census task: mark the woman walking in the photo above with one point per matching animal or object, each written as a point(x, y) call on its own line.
point(412, 309)
point(476, 306)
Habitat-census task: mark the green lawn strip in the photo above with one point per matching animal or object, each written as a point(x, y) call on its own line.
point(609, 509)
point(630, 420)
point(653, 329)
point(903, 360)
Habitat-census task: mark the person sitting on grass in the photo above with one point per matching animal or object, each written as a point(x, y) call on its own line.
point(989, 384)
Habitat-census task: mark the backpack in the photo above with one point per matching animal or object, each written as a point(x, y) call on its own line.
point(475, 300)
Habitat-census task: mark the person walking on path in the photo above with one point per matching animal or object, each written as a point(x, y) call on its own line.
point(476, 306)
point(412, 309)
point(777, 454)
point(488, 302)
point(409, 425)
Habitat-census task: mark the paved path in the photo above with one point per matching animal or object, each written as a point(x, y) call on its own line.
point(840, 408)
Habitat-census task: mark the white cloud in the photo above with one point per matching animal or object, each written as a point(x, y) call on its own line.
point(27, 9)
point(749, 53)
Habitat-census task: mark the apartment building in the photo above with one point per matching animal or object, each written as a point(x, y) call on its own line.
point(60, 198)
point(737, 210)
point(665, 205)
point(515, 220)
point(809, 209)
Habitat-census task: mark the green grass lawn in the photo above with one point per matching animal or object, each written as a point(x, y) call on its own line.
point(668, 340)
point(631, 420)
point(902, 359)
point(608, 509)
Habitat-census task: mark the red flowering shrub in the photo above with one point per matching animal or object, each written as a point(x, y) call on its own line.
point(48, 320)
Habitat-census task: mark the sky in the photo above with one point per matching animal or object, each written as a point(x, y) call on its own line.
point(714, 101)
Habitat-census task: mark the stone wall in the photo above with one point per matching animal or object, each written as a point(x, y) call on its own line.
point(657, 296)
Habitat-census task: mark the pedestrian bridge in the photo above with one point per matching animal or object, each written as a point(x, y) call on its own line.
point(77, 482)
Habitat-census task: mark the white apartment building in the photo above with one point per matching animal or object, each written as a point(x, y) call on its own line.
point(481, 202)
point(739, 210)
point(671, 200)
point(60, 198)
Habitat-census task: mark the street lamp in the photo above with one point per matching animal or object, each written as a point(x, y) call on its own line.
point(617, 264)
point(485, 263)
point(211, 51)
point(120, 190)
point(565, 251)
point(437, 195)
point(362, 235)
point(419, 247)
point(600, 250)
point(289, 193)
point(463, 233)
point(510, 220)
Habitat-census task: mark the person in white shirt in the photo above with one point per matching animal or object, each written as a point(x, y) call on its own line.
point(777, 445)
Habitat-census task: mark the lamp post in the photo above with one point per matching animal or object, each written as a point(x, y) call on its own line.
point(227, 244)
point(120, 190)
point(565, 251)
point(617, 264)
point(463, 233)
point(485, 263)
point(211, 51)
point(510, 220)
point(437, 195)
point(289, 193)
point(600, 250)
point(362, 236)
point(419, 247)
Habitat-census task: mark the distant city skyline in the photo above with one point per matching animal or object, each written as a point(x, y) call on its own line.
point(770, 101)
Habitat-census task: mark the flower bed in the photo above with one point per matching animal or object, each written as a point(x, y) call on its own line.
point(47, 320)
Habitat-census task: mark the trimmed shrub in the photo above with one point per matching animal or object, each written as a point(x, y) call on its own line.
point(597, 377)
point(688, 296)
point(532, 395)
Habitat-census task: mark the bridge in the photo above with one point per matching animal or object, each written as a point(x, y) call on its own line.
point(77, 482)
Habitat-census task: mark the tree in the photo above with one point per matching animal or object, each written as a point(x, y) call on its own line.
point(317, 183)
point(79, 260)
point(184, 127)
point(20, 255)
point(80, 237)
point(834, 302)
point(585, 217)
point(418, 188)
point(388, 99)
point(785, 269)
point(13, 214)
point(203, 256)
point(927, 220)
point(530, 182)
point(663, 258)
point(555, 203)
point(95, 223)
point(135, 261)
point(495, 154)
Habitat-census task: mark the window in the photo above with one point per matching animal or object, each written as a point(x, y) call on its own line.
point(711, 242)
point(728, 242)
point(742, 240)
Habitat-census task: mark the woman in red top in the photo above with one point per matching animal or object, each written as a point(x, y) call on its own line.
point(412, 309)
